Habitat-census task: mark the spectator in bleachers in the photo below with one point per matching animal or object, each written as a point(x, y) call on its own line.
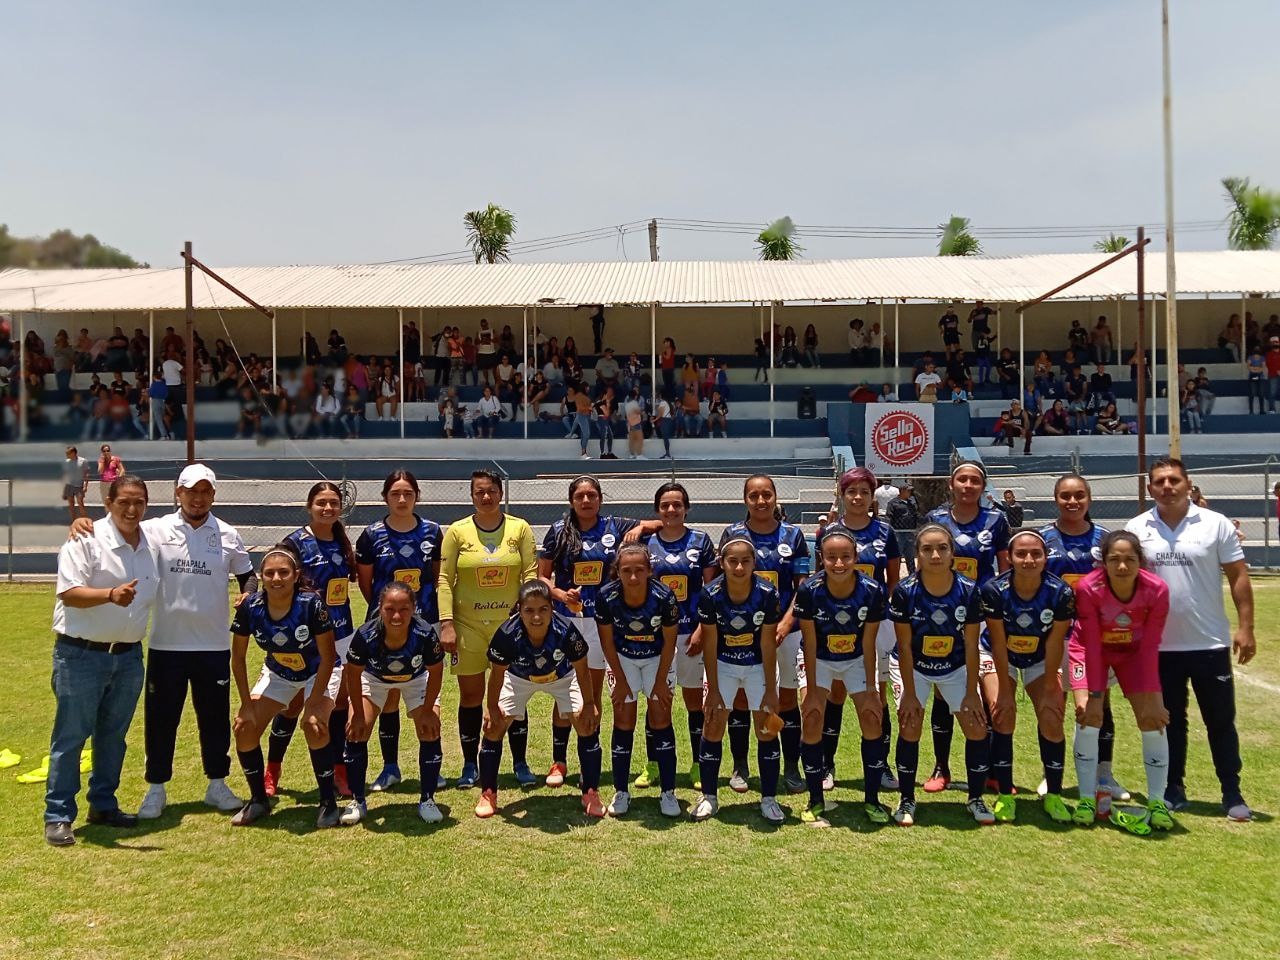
point(1078, 337)
point(862, 393)
point(887, 394)
point(1256, 376)
point(979, 321)
point(1014, 422)
point(1252, 335)
point(76, 413)
point(570, 350)
point(1032, 400)
point(415, 383)
point(96, 427)
point(64, 360)
point(691, 413)
point(1053, 422)
point(310, 350)
point(171, 344)
point(857, 343)
point(337, 345)
point(709, 375)
point(1012, 509)
point(954, 392)
point(903, 514)
point(387, 394)
point(358, 376)
point(717, 415)
point(927, 382)
point(1070, 362)
point(85, 358)
point(1273, 372)
point(1042, 371)
point(161, 416)
point(440, 356)
point(1191, 412)
point(325, 411)
point(604, 411)
point(352, 413)
point(116, 356)
point(689, 375)
point(573, 371)
point(762, 361)
point(513, 394)
point(632, 373)
point(1204, 392)
point(949, 326)
point(140, 405)
point(488, 413)
point(539, 389)
point(139, 350)
point(1101, 389)
point(722, 380)
point(120, 417)
point(1008, 372)
point(790, 356)
point(457, 357)
point(663, 424)
point(607, 371)
point(507, 341)
point(633, 412)
point(447, 408)
point(1076, 389)
point(1109, 423)
point(811, 347)
point(1231, 337)
point(486, 351)
point(982, 356)
point(552, 370)
point(1101, 341)
point(503, 371)
point(1146, 369)
point(1271, 329)
point(33, 355)
point(373, 375)
point(959, 371)
point(470, 362)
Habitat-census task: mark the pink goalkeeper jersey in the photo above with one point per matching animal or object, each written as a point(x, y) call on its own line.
point(1111, 629)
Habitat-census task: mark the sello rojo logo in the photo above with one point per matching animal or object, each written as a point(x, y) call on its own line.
point(899, 438)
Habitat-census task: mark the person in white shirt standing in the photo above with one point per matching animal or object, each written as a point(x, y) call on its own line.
point(107, 585)
point(1190, 548)
point(885, 494)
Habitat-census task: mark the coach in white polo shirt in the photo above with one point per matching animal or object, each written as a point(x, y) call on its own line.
point(1190, 548)
point(190, 642)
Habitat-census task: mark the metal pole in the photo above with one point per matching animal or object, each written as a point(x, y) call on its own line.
point(23, 360)
point(880, 345)
point(1022, 358)
point(524, 368)
point(1244, 337)
point(772, 375)
point(999, 341)
point(1154, 357)
point(1119, 322)
point(400, 366)
point(653, 356)
point(9, 484)
point(1170, 268)
point(1266, 517)
point(1142, 391)
point(897, 339)
point(191, 359)
point(151, 370)
point(275, 356)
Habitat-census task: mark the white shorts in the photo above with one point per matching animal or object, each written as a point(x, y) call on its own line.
point(689, 672)
point(413, 693)
point(852, 673)
point(342, 646)
point(516, 692)
point(642, 675)
point(951, 686)
point(590, 633)
point(272, 686)
point(1028, 675)
point(732, 677)
point(790, 661)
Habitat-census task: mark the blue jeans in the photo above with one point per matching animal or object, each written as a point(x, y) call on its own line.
point(1273, 388)
point(97, 694)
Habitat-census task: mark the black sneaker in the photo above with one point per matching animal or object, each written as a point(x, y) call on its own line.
point(58, 834)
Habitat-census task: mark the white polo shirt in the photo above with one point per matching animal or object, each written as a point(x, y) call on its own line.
point(103, 561)
point(195, 563)
point(1189, 559)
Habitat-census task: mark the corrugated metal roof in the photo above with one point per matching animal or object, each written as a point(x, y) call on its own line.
point(998, 279)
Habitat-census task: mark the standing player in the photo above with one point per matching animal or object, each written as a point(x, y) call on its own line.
point(292, 626)
point(739, 612)
point(936, 613)
point(879, 556)
point(484, 559)
point(1029, 612)
point(406, 548)
point(1122, 609)
point(782, 560)
point(576, 552)
point(684, 559)
point(395, 651)
point(637, 618)
point(537, 650)
point(329, 565)
point(840, 610)
point(980, 540)
point(1074, 542)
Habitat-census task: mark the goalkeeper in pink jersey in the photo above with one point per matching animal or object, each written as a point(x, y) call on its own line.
point(1121, 610)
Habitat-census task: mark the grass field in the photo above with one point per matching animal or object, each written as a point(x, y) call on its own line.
point(541, 879)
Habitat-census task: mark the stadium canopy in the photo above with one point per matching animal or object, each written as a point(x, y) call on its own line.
point(671, 282)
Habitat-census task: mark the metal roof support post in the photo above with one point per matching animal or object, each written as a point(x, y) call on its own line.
point(190, 365)
point(897, 340)
point(400, 364)
point(302, 344)
point(151, 370)
point(653, 357)
point(772, 375)
point(1119, 337)
point(1154, 366)
point(275, 359)
point(880, 345)
point(524, 367)
point(22, 376)
point(1244, 336)
point(1022, 358)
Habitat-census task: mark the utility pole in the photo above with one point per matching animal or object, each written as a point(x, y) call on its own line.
point(1142, 372)
point(1174, 388)
point(653, 239)
point(191, 355)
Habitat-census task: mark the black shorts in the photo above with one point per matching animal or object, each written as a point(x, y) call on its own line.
point(950, 337)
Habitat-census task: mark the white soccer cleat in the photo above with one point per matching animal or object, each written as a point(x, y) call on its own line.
point(353, 814)
point(220, 797)
point(1043, 788)
point(668, 804)
point(705, 808)
point(771, 811)
point(620, 804)
point(429, 812)
point(153, 803)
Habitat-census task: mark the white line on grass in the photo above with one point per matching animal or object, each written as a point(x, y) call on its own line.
point(1252, 681)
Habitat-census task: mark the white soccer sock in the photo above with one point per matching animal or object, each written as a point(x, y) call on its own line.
point(1085, 750)
point(1155, 757)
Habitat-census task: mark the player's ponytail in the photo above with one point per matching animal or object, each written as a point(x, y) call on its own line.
point(568, 541)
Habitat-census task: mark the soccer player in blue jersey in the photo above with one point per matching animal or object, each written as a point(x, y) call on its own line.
point(539, 651)
point(397, 651)
point(936, 613)
point(1074, 544)
point(739, 612)
point(684, 559)
point(840, 611)
point(405, 547)
point(782, 559)
point(292, 626)
point(329, 566)
point(575, 556)
point(878, 556)
point(980, 537)
point(637, 618)
point(1028, 612)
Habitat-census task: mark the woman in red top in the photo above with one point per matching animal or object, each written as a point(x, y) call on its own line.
point(1122, 610)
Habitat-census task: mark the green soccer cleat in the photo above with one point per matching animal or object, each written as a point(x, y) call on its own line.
point(695, 776)
point(1086, 812)
point(1158, 815)
point(812, 816)
point(1056, 808)
point(1138, 826)
point(648, 776)
point(875, 813)
point(1005, 808)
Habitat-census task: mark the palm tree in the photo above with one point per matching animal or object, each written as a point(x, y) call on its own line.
point(777, 241)
point(489, 233)
point(1111, 244)
point(1254, 217)
point(956, 240)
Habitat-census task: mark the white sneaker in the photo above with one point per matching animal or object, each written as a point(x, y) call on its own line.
point(905, 815)
point(153, 803)
point(353, 814)
point(738, 783)
point(585, 456)
point(705, 808)
point(1043, 789)
point(829, 780)
point(220, 797)
point(770, 810)
point(429, 812)
point(981, 812)
point(888, 781)
point(1109, 784)
point(668, 804)
point(620, 804)
point(1237, 812)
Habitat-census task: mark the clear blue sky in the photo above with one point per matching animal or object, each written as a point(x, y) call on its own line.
point(328, 133)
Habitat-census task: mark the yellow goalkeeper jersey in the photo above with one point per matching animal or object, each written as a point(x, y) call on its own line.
point(481, 571)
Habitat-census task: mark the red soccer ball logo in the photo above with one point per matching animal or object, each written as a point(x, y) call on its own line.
point(899, 438)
